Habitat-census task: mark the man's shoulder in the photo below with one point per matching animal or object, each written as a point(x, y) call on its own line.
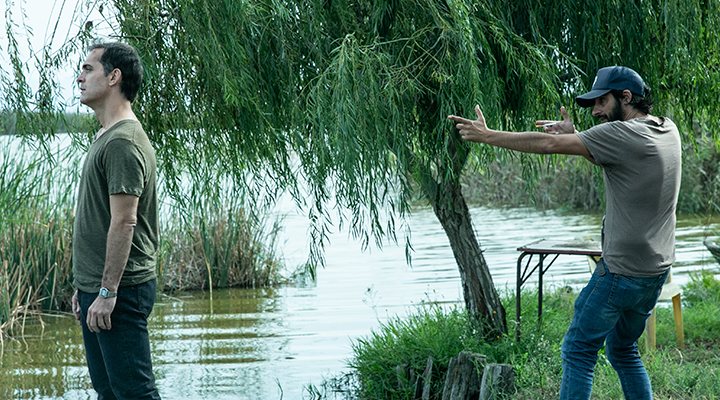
point(129, 133)
point(635, 125)
point(130, 129)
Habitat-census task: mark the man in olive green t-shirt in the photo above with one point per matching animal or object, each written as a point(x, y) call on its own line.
point(115, 237)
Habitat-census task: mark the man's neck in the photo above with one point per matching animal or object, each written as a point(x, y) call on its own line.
point(113, 112)
point(629, 112)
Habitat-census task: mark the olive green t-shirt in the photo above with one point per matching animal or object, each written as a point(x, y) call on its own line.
point(641, 161)
point(120, 161)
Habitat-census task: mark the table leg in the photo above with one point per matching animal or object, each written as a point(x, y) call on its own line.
point(540, 286)
point(518, 288)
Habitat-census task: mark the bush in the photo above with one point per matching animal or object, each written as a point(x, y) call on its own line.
point(217, 248)
point(407, 344)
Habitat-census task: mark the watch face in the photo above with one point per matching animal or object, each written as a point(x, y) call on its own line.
point(103, 292)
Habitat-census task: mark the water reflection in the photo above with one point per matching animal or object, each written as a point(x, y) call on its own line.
point(271, 343)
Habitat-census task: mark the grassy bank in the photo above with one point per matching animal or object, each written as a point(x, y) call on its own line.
point(690, 373)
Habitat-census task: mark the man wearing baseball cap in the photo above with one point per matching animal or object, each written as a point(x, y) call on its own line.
point(640, 157)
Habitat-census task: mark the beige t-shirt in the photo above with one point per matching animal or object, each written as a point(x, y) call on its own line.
point(641, 163)
point(120, 161)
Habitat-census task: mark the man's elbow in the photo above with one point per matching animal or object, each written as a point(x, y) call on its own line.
point(124, 221)
point(549, 146)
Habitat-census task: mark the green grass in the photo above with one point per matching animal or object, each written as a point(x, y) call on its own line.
point(689, 373)
point(35, 233)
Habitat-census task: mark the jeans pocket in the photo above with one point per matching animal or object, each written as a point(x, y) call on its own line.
point(146, 297)
point(639, 291)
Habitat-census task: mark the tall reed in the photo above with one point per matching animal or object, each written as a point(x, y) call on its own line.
point(214, 240)
point(35, 234)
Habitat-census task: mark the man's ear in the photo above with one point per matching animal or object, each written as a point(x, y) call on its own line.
point(115, 76)
point(627, 96)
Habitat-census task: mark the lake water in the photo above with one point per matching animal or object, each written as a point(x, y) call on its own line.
point(272, 343)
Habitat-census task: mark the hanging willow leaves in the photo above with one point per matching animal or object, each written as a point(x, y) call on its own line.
point(344, 102)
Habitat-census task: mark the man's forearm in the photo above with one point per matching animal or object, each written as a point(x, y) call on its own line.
point(119, 241)
point(526, 142)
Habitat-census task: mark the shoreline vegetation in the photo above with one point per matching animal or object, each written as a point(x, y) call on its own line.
point(405, 344)
point(13, 122)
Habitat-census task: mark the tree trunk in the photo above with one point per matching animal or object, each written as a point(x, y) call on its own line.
point(481, 298)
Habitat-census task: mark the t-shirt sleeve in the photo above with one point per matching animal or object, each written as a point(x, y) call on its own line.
point(608, 143)
point(124, 168)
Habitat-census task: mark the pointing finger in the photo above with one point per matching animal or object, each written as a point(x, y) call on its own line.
point(459, 119)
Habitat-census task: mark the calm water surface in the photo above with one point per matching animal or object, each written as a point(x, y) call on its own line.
point(272, 343)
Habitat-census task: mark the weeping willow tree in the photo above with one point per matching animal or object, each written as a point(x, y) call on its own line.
point(344, 102)
point(350, 96)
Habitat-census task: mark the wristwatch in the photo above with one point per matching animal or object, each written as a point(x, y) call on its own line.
point(106, 294)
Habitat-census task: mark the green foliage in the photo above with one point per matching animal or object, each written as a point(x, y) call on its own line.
point(352, 96)
point(691, 373)
point(35, 233)
point(700, 189)
point(703, 288)
point(217, 246)
point(38, 108)
point(407, 344)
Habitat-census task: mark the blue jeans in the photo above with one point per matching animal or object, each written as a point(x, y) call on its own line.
point(611, 310)
point(119, 359)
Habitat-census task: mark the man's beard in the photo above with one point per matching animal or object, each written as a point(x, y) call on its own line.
point(616, 113)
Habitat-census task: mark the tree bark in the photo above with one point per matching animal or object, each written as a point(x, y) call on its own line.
point(462, 381)
point(498, 381)
point(441, 185)
point(481, 298)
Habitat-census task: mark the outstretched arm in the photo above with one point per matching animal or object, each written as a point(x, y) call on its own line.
point(526, 142)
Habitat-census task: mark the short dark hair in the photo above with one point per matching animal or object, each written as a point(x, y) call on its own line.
point(644, 104)
point(125, 58)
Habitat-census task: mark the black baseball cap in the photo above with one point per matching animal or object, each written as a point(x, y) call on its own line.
point(612, 78)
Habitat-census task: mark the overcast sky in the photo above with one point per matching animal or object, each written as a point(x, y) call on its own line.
point(34, 22)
